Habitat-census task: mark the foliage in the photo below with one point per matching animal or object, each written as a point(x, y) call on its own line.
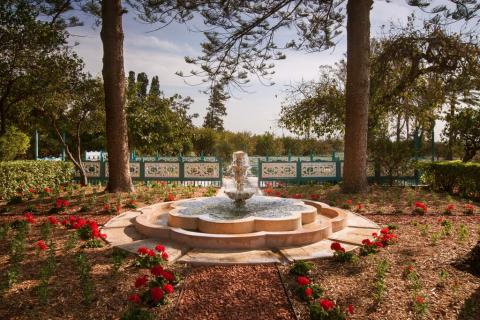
point(301, 268)
point(13, 144)
point(452, 176)
point(84, 269)
point(136, 313)
point(465, 127)
point(216, 109)
point(16, 177)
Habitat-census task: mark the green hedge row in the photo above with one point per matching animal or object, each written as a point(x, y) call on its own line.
point(22, 175)
point(453, 176)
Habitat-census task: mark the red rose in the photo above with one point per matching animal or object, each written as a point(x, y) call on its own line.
point(308, 292)
point(366, 242)
point(170, 197)
point(47, 190)
point(157, 271)
point(142, 250)
point(165, 255)
point(303, 281)
point(151, 253)
point(420, 300)
point(350, 309)
point(384, 231)
point(52, 220)
point(135, 298)
point(160, 248)
point(335, 246)
point(141, 281)
point(168, 288)
point(349, 201)
point(29, 217)
point(156, 293)
point(103, 236)
point(450, 207)
point(169, 276)
point(40, 244)
point(327, 304)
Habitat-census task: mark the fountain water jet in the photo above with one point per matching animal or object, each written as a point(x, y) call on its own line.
point(240, 166)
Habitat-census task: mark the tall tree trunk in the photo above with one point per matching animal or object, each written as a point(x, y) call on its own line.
point(357, 95)
point(451, 136)
point(114, 86)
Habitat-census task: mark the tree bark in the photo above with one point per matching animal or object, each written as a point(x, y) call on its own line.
point(357, 95)
point(114, 86)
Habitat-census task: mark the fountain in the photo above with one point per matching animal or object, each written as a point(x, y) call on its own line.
point(240, 166)
point(248, 222)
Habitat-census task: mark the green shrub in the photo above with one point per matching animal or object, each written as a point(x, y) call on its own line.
point(13, 143)
point(22, 175)
point(458, 177)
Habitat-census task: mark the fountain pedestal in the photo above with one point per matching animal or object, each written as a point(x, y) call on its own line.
point(240, 166)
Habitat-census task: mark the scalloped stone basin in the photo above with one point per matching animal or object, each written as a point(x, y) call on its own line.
point(265, 222)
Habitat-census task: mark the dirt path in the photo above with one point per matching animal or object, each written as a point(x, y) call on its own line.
point(233, 292)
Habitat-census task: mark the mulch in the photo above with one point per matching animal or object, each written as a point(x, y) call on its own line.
point(233, 292)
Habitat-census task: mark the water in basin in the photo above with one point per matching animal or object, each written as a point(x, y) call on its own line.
point(222, 208)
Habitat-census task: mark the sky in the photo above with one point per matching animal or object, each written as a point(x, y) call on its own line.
point(162, 53)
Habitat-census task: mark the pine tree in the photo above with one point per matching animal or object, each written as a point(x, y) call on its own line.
point(216, 109)
point(142, 82)
point(155, 87)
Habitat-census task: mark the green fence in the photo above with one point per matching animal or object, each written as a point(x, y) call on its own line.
point(322, 171)
point(204, 172)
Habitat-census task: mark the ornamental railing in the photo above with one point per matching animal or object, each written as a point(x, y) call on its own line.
point(186, 172)
point(324, 171)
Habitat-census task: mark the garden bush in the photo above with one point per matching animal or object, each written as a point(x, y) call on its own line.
point(13, 143)
point(453, 176)
point(18, 176)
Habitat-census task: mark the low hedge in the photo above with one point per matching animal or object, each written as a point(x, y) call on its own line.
point(452, 176)
point(22, 175)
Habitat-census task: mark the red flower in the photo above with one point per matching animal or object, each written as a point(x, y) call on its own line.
point(168, 288)
point(420, 300)
point(170, 197)
point(52, 220)
point(40, 244)
point(165, 255)
point(169, 276)
point(349, 202)
point(303, 281)
point(327, 304)
point(142, 250)
point(103, 236)
point(61, 203)
point(151, 253)
point(366, 242)
point(421, 206)
point(135, 298)
point(450, 207)
point(350, 309)
point(156, 293)
point(384, 231)
point(141, 281)
point(337, 247)
point(29, 217)
point(47, 190)
point(106, 207)
point(308, 292)
point(160, 248)
point(157, 271)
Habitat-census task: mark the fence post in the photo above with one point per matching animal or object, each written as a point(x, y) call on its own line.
point(259, 172)
point(36, 144)
point(299, 171)
point(64, 136)
point(338, 167)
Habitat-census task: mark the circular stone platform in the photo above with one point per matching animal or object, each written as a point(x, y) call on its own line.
point(265, 223)
point(302, 233)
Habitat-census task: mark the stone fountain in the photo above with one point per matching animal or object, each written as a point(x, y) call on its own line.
point(240, 166)
point(261, 222)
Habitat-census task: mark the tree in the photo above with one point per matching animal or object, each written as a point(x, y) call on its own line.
point(216, 109)
point(155, 87)
point(114, 87)
point(142, 83)
point(465, 127)
point(13, 143)
point(29, 49)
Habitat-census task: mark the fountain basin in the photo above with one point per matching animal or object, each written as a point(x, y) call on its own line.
point(218, 215)
point(317, 222)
